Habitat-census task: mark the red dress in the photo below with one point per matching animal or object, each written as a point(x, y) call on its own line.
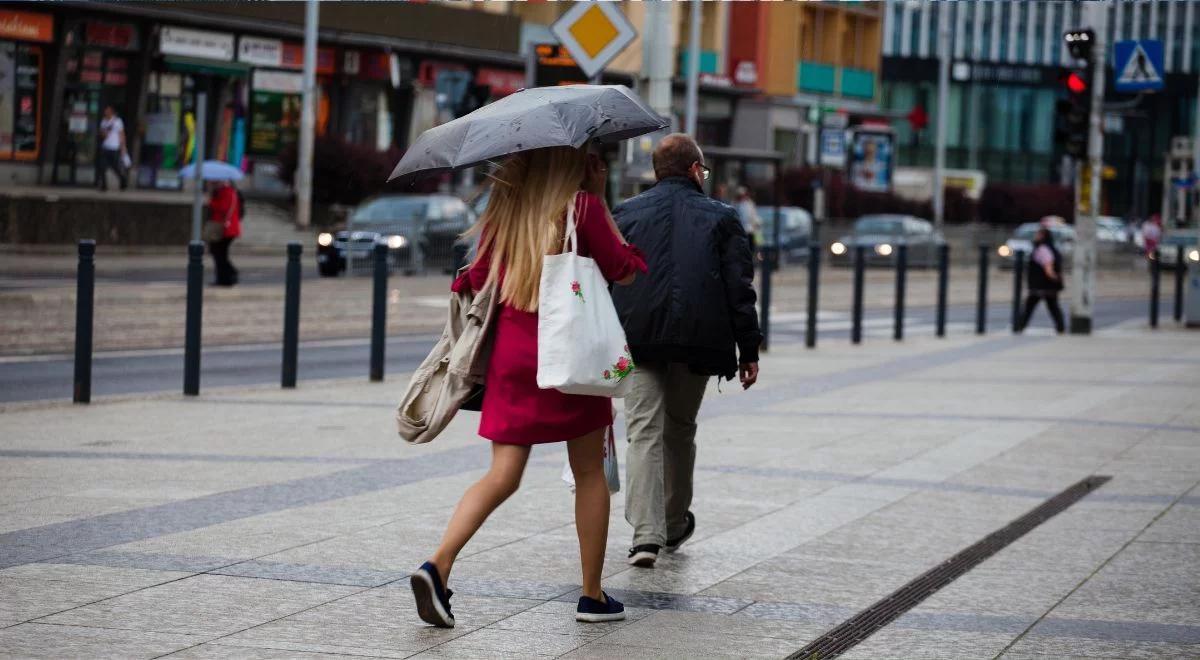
point(515, 410)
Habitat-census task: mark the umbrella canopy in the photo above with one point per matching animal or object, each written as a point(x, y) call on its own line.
point(212, 170)
point(530, 119)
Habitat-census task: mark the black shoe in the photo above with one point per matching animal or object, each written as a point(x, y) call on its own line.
point(644, 555)
point(591, 610)
point(433, 603)
point(673, 544)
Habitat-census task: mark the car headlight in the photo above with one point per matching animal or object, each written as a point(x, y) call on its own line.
point(325, 239)
point(883, 249)
point(1194, 255)
point(1004, 251)
point(396, 242)
point(838, 248)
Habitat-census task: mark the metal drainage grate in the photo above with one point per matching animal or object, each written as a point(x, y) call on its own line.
point(866, 623)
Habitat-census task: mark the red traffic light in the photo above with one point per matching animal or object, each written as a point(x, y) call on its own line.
point(1076, 83)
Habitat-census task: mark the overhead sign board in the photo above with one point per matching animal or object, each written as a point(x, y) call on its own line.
point(552, 66)
point(196, 43)
point(1138, 65)
point(594, 33)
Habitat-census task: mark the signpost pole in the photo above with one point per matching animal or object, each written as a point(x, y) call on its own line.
point(308, 117)
point(1083, 268)
point(693, 71)
point(939, 168)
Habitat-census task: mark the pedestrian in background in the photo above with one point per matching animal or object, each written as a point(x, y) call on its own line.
point(692, 318)
point(113, 153)
point(525, 220)
point(748, 213)
point(1044, 274)
point(225, 225)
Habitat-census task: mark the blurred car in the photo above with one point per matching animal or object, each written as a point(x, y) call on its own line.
point(419, 230)
point(1022, 241)
point(1112, 230)
point(794, 232)
point(1168, 248)
point(881, 234)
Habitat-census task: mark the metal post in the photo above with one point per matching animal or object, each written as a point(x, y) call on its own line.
point(901, 273)
point(85, 288)
point(860, 256)
point(1180, 272)
point(195, 301)
point(1018, 277)
point(981, 301)
point(764, 311)
point(308, 116)
point(379, 311)
point(1084, 256)
point(939, 167)
point(693, 70)
point(291, 315)
point(943, 285)
point(658, 62)
point(198, 163)
point(814, 274)
point(1155, 276)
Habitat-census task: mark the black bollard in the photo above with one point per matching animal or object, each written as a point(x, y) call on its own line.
point(1180, 271)
point(860, 258)
point(291, 315)
point(764, 310)
point(195, 303)
point(901, 274)
point(1155, 275)
point(943, 284)
point(1018, 277)
point(379, 311)
point(814, 275)
point(981, 302)
point(85, 290)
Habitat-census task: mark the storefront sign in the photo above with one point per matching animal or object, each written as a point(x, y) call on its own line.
point(259, 51)
point(746, 73)
point(871, 161)
point(293, 58)
point(351, 63)
point(274, 117)
point(283, 82)
point(715, 80)
point(501, 81)
point(120, 36)
point(833, 147)
point(196, 43)
point(26, 26)
point(20, 101)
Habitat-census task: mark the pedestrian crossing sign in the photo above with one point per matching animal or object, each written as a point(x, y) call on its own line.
point(594, 33)
point(1138, 65)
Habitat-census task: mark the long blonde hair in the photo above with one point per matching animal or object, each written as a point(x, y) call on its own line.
point(525, 218)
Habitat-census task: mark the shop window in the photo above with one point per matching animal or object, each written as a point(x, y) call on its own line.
point(21, 79)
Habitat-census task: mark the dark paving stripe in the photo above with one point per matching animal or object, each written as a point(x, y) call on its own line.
point(1041, 419)
point(866, 623)
point(41, 543)
point(178, 456)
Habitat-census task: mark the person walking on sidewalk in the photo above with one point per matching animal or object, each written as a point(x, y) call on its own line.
point(525, 219)
point(691, 318)
point(1045, 278)
point(748, 213)
point(225, 207)
point(113, 153)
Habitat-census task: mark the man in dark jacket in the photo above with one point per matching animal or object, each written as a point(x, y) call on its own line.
point(692, 317)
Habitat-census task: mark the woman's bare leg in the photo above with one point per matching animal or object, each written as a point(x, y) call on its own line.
point(480, 500)
point(586, 455)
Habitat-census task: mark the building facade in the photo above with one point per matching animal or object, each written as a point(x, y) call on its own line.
point(1008, 58)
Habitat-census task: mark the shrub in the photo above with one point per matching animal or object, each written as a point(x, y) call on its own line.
point(347, 173)
point(1014, 203)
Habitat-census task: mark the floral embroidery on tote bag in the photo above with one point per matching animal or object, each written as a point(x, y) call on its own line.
point(577, 290)
point(621, 368)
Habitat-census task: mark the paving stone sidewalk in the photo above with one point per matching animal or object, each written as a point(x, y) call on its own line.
point(256, 523)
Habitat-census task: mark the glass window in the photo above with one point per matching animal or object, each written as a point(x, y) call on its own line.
point(879, 224)
point(21, 71)
point(392, 209)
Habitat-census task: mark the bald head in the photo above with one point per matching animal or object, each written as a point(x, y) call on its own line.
point(675, 155)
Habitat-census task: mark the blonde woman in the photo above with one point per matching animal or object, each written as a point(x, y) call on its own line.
point(524, 221)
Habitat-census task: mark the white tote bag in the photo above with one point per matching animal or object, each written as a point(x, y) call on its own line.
point(581, 344)
point(612, 471)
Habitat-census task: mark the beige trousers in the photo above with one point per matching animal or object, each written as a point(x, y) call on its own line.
point(660, 417)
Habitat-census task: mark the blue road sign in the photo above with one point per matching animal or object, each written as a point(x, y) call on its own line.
point(1138, 65)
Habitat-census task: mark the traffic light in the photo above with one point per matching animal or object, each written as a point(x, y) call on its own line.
point(1073, 112)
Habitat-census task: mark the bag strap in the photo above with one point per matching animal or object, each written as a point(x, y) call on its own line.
point(570, 241)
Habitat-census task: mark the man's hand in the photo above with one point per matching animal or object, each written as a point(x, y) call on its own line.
point(748, 374)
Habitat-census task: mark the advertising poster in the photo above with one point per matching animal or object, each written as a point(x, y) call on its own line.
point(871, 161)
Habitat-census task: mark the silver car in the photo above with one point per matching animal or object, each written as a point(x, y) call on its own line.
point(880, 236)
point(1022, 241)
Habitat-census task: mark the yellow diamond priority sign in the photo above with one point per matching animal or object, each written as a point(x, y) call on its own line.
point(594, 33)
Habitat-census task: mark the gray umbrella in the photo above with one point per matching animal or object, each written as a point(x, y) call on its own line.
point(530, 119)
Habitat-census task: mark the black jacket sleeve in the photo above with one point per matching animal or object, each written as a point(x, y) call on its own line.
point(737, 273)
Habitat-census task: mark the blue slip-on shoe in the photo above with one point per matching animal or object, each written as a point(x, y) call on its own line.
point(433, 602)
point(591, 610)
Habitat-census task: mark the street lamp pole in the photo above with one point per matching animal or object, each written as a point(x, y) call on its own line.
point(939, 167)
point(308, 117)
point(1083, 267)
point(693, 72)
